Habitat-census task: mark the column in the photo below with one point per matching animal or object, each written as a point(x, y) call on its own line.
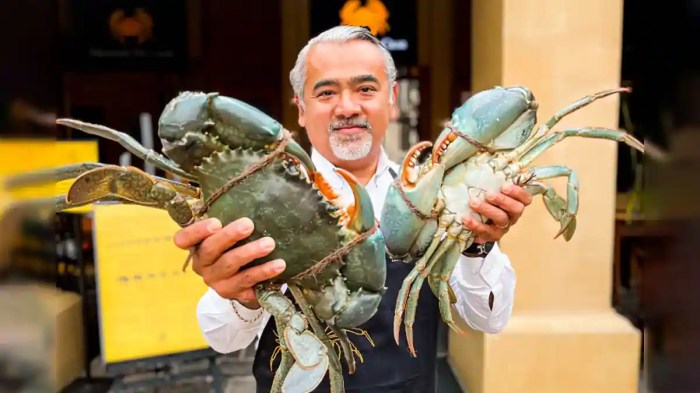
point(564, 335)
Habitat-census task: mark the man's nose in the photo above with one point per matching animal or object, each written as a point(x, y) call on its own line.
point(346, 105)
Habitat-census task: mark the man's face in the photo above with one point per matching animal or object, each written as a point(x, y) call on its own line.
point(346, 95)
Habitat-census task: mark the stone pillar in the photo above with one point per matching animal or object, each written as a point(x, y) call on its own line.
point(564, 335)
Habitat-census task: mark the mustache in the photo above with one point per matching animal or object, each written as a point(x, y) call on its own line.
point(349, 122)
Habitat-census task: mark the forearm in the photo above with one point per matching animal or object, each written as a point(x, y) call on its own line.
point(227, 330)
point(485, 289)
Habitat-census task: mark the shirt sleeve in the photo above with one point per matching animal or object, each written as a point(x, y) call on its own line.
point(475, 281)
point(225, 331)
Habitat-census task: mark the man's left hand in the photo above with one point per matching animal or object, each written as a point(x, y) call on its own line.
point(503, 210)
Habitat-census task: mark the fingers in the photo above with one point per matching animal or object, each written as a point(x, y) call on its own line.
point(194, 234)
point(499, 217)
point(248, 278)
point(484, 233)
point(232, 261)
point(518, 193)
point(513, 208)
point(240, 285)
point(211, 249)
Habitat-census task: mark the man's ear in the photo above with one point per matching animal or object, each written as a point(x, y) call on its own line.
point(301, 120)
point(395, 105)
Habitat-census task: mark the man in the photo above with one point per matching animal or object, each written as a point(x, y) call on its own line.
point(345, 91)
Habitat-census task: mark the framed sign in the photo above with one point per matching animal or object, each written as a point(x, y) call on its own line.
point(394, 22)
point(123, 34)
point(146, 303)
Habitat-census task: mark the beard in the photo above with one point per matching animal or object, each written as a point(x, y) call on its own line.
point(350, 147)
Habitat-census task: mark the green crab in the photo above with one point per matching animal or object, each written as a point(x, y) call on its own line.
point(488, 143)
point(246, 164)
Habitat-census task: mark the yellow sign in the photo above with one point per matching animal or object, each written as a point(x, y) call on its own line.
point(373, 14)
point(147, 304)
point(20, 156)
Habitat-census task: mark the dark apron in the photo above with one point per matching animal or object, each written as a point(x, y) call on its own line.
point(387, 367)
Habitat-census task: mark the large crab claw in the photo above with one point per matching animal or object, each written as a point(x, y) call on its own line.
point(360, 214)
point(418, 184)
point(189, 121)
point(500, 118)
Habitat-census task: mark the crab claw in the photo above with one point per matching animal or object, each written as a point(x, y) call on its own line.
point(501, 117)
point(361, 213)
point(399, 223)
point(296, 151)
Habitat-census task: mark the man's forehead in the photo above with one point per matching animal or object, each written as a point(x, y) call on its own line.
point(354, 52)
point(345, 62)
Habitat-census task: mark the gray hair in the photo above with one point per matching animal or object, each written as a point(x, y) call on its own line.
point(341, 34)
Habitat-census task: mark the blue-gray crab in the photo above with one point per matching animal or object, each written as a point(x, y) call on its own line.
point(247, 165)
point(487, 143)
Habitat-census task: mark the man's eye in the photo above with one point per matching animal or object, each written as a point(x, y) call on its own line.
point(325, 93)
point(367, 89)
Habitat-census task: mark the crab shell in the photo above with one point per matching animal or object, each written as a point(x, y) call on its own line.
point(217, 138)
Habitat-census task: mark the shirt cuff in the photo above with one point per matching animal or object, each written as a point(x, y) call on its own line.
point(487, 270)
point(218, 312)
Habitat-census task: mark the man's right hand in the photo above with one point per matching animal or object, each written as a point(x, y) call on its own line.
point(219, 268)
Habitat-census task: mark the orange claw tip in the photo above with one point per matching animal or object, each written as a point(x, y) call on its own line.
point(360, 213)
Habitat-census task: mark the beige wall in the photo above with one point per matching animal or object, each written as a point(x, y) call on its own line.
point(564, 335)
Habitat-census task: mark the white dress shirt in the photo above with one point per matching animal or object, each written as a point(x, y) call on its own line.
point(472, 281)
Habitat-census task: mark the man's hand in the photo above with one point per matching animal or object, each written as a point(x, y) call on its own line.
point(219, 268)
point(503, 209)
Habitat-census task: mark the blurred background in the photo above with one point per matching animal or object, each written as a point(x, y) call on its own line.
point(87, 295)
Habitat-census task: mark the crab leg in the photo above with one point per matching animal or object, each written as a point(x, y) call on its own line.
point(566, 215)
point(345, 347)
point(130, 184)
point(445, 293)
point(582, 102)
point(554, 203)
point(74, 170)
point(286, 359)
point(544, 129)
point(111, 183)
point(50, 175)
point(422, 264)
point(331, 362)
point(451, 246)
point(130, 144)
point(309, 352)
point(133, 185)
point(594, 133)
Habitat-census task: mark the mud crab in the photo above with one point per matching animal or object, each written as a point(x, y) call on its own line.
point(247, 164)
point(487, 143)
